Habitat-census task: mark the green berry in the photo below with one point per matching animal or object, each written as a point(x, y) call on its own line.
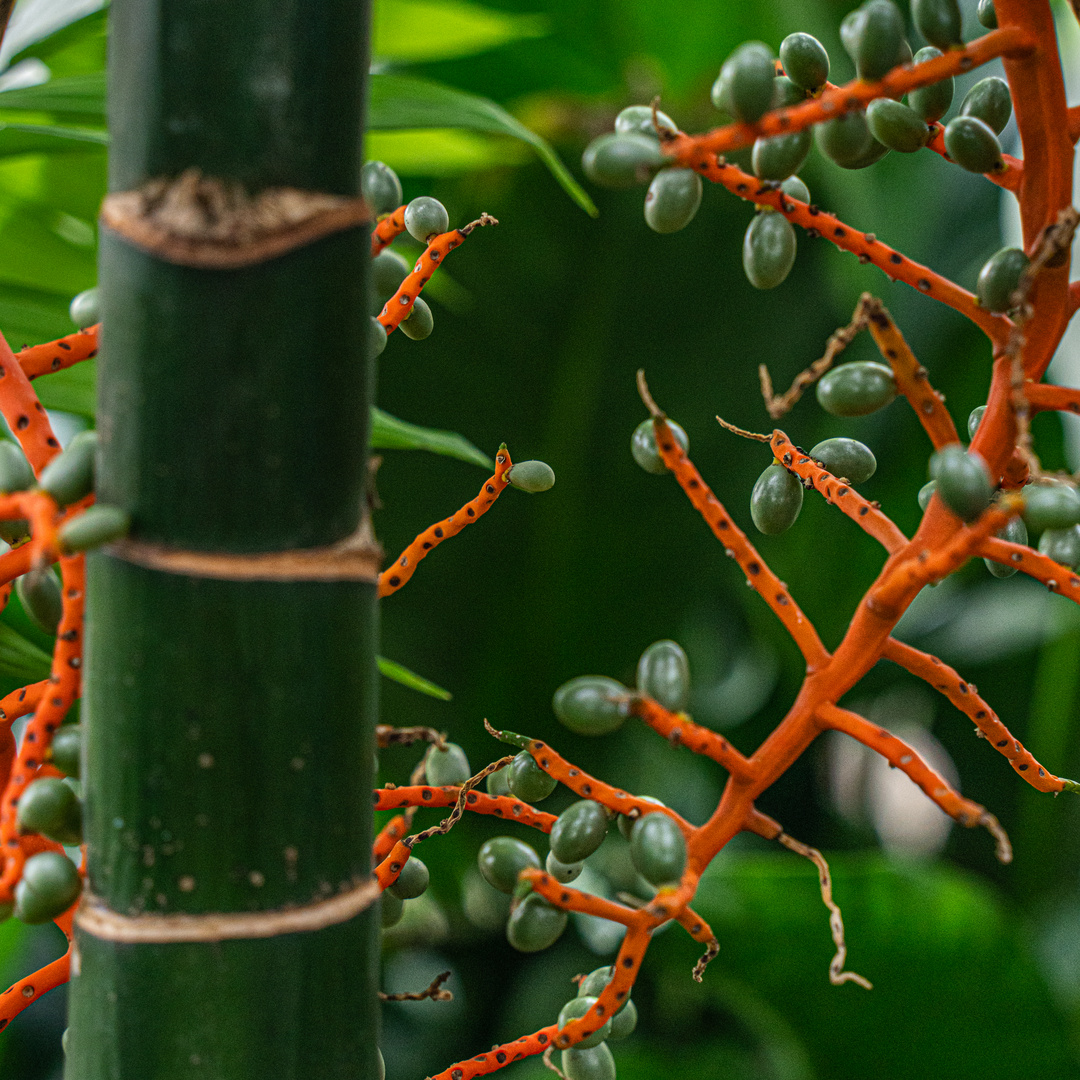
point(41, 598)
point(768, 250)
point(786, 93)
point(663, 673)
point(846, 140)
point(447, 767)
point(876, 39)
point(420, 322)
point(528, 782)
point(425, 218)
point(50, 884)
point(1051, 506)
point(67, 750)
point(987, 14)
point(562, 872)
point(776, 500)
point(497, 783)
point(847, 459)
point(391, 909)
point(531, 476)
point(50, 807)
point(1015, 532)
point(856, 389)
point(85, 309)
point(95, 526)
point(15, 471)
point(643, 446)
point(576, 1008)
point(380, 187)
point(534, 924)
point(388, 271)
point(591, 705)
point(745, 86)
point(376, 339)
point(931, 102)
point(381, 1065)
point(621, 161)
point(1061, 545)
point(638, 120)
point(578, 831)
point(672, 200)
point(780, 156)
point(412, 881)
point(963, 481)
point(897, 126)
point(596, 1063)
point(974, 419)
point(658, 849)
point(999, 279)
point(990, 102)
point(502, 858)
point(70, 475)
point(938, 21)
point(973, 145)
point(805, 61)
point(626, 824)
point(594, 983)
point(926, 493)
point(794, 188)
point(623, 1022)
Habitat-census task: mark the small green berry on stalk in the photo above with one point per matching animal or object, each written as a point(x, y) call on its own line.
point(663, 673)
point(50, 884)
point(420, 322)
point(931, 102)
point(643, 446)
point(426, 217)
point(380, 186)
point(622, 161)
point(776, 500)
point(856, 389)
point(562, 872)
point(847, 459)
point(963, 481)
point(989, 101)
point(1000, 278)
point(591, 705)
point(639, 120)
point(576, 1008)
point(527, 781)
point(531, 476)
point(502, 858)
point(938, 21)
point(534, 924)
point(745, 87)
point(769, 248)
point(412, 881)
point(596, 1063)
point(578, 831)
point(1016, 533)
point(805, 60)
point(672, 200)
point(85, 309)
point(972, 144)
point(447, 767)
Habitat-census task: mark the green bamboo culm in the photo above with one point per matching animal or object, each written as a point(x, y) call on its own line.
point(228, 713)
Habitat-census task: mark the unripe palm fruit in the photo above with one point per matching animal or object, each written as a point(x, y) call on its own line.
point(794, 188)
point(999, 279)
point(897, 126)
point(1016, 533)
point(380, 186)
point(805, 60)
point(1051, 506)
point(531, 476)
point(85, 309)
point(623, 1022)
point(938, 21)
point(67, 750)
point(497, 783)
point(776, 500)
point(376, 338)
point(388, 271)
point(527, 781)
point(50, 884)
point(786, 93)
point(776, 158)
point(534, 924)
point(595, 1064)
point(70, 475)
point(391, 909)
point(621, 161)
point(745, 86)
point(1061, 545)
point(856, 389)
point(15, 471)
point(877, 39)
point(846, 140)
point(987, 15)
point(502, 858)
point(40, 595)
point(658, 849)
point(95, 526)
point(672, 200)
point(426, 217)
point(638, 120)
point(643, 446)
point(420, 322)
point(963, 481)
point(594, 983)
point(576, 1008)
point(626, 823)
point(591, 705)
point(663, 673)
point(847, 459)
point(768, 250)
point(51, 807)
point(381, 1065)
point(931, 102)
point(447, 767)
point(990, 102)
point(926, 493)
point(562, 872)
point(974, 419)
point(412, 881)
point(578, 831)
point(973, 145)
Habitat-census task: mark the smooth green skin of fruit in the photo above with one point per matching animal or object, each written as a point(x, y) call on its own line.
point(70, 475)
point(779, 157)
point(380, 186)
point(576, 1008)
point(663, 673)
point(974, 419)
point(990, 102)
point(67, 750)
point(672, 200)
point(591, 705)
point(388, 271)
point(987, 15)
point(626, 824)
point(926, 493)
point(594, 1064)
point(534, 924)
point(449, 766)
point(51, 807)
point(532, 476)
point(377, 339)
point(85, 309)
point(412, 881)
point(15, 471)
point(50, 884)
point(578, 831)
point(621, 161)
point(658, 849)
point(1051, 506)
point(846, 140)
point(593, 984)
point(41, 598)
point(999, 278)
point(391, 909)
point(875, 152)
point(638, 120)
point(1061, 545)
point(562, 872)
point(1015, 532)
point(776, 500)
point(962, 481)
point(528, 782)
point(502, 858)
point(805, 60)
point(878, 39)
point(420, 322)
point(768, 250)
point(938, 21)
point(643, 446)
point(794, 188)
point(856, 389)
point(426, 217)
point(13, 531)
point(973, 145)
point(847, 459)
point(786, 93)
point(623, 1022)
point(745, 86)
point(931, 102)
point(96, 525)
point(382, 1065)
point(497, 783)
point(897, 126)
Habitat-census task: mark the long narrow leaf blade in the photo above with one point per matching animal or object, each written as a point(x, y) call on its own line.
point(403, 675)
point(390, 433)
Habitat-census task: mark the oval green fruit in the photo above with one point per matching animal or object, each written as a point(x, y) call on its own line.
point(497, 783)
point(768, 250)
point(974, 419)
point(576, 1008)
point(663, 673)
point(931, 102)
point(786, 93)
point(447, 767)
point(41, 598)
point(15, 471)
point(594, 1064)
point(1051, 506)
point(381, 1065)
point(878, 39)
point(1061, 545)
point(638, 120)
point(987, 15)
point(926, 493)
point(847, 459)
point(502, 858)
point(70, 475)
point(776, 158)
point(594, 983)
point(805, 60)
point(626, 823)
point(776, 500)
point(51, 807)
point(973, 145)
point(562, 872)
point(578, 831)
point(534, 924)
point(425, 218)
point(420, 322)
point(1016, 533)
point(380, 186)
point(963, 481)
point(623, 1022)
point(672, 200)
point(391, 909)
point(658, 849)
point(990, 102)
point(85, 309)
point(938, 21)
point(527, 781)
point(67, 750)
point(794, 188)
point(745, 86)
point(856, 389)
point(388, 271)
point(412, 881)
point(999, 279)
point(621, 161)
point(897, 126)
point(376, 338)
point(591, 705)
point(643, 446)
point(846, 140)
point(531, 476)
point(50, 884)
point(96, 525)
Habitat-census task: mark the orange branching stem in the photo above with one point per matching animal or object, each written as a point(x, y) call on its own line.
point(1009, 178)
point(387, 230)
point(56, 355)
point(1074, 123)
point(680, 730)
point(398, 574)
point(1042, 397)
point(478, 802)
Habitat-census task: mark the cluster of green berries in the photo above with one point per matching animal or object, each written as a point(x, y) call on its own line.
point(750, 84)
point(591, 1059)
